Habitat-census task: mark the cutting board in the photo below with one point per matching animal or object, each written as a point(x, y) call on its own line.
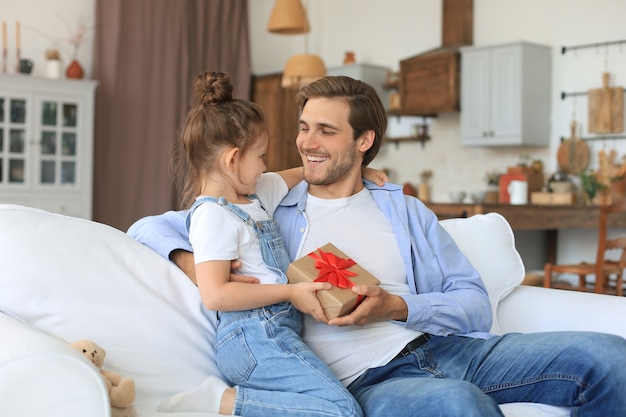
point(606, 108)
point(573, 153)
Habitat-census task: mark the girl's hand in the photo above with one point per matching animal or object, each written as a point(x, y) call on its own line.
point(377, 177)
point(304, 298)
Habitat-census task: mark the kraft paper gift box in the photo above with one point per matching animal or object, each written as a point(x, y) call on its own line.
point(329, 264)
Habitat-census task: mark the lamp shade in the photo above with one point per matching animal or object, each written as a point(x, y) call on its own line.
point(288, 17)
point(302, 69)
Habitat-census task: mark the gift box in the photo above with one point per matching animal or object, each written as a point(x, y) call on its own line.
point(329, 264)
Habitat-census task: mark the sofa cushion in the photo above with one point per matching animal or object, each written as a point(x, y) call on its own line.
point(76, 279)
point(488, 242)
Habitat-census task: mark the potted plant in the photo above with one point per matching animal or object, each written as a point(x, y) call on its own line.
point(590, 185)
point(492, 178)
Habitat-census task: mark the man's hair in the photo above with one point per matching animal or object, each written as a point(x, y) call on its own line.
point(366, 110)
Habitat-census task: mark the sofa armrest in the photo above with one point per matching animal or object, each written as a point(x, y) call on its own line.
point(43, 376)
point(535, 309)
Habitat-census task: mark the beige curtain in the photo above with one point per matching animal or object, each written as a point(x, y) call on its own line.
point(147, 54)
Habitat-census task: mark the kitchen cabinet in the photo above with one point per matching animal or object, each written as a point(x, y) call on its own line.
point(281, 117)
point(505, 95)
point(46, 143)
point(429, 83)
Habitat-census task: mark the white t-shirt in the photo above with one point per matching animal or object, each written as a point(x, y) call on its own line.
point(357, 226)
point(216, 233)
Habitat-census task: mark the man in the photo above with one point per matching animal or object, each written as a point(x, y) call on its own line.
point(418, 343)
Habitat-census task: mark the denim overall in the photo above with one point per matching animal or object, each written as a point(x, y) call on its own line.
point(261, 352)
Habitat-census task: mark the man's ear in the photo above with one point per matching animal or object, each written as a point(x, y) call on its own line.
point(366, 140)
point(230, 158)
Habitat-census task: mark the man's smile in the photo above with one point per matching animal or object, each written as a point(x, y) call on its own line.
point(316, 158)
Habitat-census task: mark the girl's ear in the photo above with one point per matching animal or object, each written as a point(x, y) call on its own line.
point(230, 158)
point(366, 140)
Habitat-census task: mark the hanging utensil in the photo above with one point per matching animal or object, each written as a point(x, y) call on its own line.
point(606, 108)
point(573, 153)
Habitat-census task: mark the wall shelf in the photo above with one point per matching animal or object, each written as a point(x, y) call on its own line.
point(398, 140)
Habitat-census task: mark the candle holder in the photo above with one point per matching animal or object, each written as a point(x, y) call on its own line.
point(17, 65)
point(4, 60)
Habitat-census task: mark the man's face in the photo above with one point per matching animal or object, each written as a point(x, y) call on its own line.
point(326, 142)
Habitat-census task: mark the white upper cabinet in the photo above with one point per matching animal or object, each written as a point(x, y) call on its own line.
point(505, 95)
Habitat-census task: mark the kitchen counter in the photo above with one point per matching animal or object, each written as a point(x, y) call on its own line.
point(531, 216)
point(548, 218)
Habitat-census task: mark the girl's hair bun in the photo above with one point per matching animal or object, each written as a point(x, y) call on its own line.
point(212, 88)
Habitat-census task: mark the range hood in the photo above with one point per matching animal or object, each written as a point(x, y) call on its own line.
point(429, 83)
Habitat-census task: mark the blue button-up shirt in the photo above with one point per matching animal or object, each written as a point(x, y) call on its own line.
point(447, 294)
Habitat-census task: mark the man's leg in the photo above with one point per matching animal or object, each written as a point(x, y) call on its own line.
point(581, 370)
point(425, 397)
point(413, 386)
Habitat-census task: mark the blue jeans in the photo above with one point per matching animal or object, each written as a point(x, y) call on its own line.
point(456, 376)
point(275, 373)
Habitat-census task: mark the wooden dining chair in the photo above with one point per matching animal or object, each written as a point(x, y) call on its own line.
point(608, 269)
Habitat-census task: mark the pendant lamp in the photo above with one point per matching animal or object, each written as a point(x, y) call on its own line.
point(302, 69)
point(288, 17)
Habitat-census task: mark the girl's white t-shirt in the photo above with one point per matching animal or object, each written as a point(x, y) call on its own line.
point(218, 234)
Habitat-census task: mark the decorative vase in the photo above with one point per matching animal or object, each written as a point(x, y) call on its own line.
point(53, 68)
point(408, 189)
point(74, 70)
point(349, 58)
point(423, 192)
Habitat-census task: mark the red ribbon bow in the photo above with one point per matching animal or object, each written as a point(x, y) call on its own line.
point(333, 269)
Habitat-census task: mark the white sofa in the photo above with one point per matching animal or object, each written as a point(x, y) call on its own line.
point(63, 279)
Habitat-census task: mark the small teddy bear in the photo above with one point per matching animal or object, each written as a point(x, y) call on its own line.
point(121, 390)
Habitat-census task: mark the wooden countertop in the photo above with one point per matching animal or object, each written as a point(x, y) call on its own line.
point(531, 216)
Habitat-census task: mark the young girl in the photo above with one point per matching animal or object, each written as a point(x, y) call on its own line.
point(258, 348)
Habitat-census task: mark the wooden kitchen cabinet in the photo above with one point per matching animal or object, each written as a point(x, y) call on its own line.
point(505, 95)
point(281, 116)
point(429, 83)
point(46, 143)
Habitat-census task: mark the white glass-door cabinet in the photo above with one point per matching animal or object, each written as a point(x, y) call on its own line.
point(46, 143)
point(505, 95)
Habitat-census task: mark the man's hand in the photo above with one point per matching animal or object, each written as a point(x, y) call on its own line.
point(378, 305)
point(240, 278)
point(184, 260)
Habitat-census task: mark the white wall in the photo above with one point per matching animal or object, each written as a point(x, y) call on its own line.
point(47, 24)
point(383, 32)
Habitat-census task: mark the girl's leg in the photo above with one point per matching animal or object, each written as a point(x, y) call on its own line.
point(275, 373)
